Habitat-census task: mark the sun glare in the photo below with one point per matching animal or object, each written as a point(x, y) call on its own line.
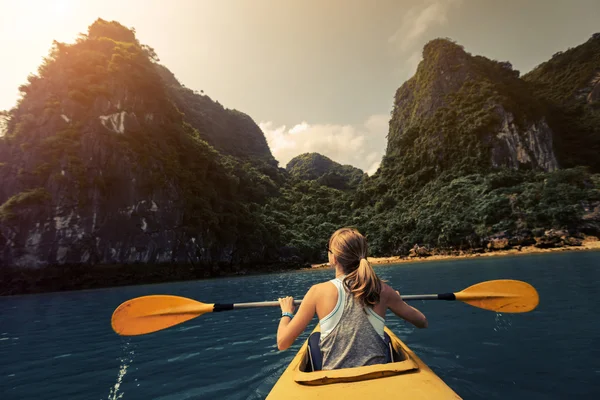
point(61, 8)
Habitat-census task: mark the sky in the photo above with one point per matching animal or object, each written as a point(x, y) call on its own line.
point(317, 76)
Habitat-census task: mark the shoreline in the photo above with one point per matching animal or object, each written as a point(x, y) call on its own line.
point(589, 244)
point(18, 282)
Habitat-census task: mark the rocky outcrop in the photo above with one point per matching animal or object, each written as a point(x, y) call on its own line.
point(594, 94)
point(521, 238)
point(104, 206)
point(419, 251)
point(461, 107)
point(498, 244)
point(556, 238)
point(229, 131)
point(443, 71)
point(517, 147)
point(572, 99)
point(544, 239)
point(98, 166)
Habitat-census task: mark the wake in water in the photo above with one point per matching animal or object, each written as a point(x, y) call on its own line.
point(126, 361)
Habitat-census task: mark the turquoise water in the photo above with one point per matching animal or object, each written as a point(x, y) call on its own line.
point(61, 346)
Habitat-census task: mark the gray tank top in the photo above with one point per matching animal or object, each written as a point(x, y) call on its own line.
point(353, 342)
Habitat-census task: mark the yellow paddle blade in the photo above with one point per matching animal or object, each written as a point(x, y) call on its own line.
point(503, 295)
point(152, 313)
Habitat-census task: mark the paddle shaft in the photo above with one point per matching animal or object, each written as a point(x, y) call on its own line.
point(227, 307)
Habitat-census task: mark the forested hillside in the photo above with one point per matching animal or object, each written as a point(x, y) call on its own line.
point(471, 164)
point(113, 172)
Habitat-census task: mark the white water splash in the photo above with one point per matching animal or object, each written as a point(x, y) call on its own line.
point(126, 361)
point(503, 323)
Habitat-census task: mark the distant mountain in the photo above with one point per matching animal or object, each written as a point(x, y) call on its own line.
point(314, 166)
point(570, 83)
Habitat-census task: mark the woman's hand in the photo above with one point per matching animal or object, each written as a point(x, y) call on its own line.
point(287, 304)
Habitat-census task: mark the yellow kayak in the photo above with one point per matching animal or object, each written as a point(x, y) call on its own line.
point(407, 377)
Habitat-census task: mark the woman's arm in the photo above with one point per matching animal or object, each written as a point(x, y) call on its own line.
point(403, 310)
point(288, 330)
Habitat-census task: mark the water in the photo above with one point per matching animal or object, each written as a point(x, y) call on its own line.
point(61, 346)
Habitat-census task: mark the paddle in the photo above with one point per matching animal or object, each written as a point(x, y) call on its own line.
point(149, 314)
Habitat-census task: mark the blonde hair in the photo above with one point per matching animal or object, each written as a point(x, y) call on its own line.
point(350, 250)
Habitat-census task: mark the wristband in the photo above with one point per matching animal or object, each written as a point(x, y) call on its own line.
point(287, 314)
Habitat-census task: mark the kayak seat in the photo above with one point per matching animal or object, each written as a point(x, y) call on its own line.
point(315, 357)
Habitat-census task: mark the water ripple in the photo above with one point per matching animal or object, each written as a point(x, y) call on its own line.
point(65, 341)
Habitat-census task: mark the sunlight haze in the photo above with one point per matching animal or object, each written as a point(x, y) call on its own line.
point(316, 76)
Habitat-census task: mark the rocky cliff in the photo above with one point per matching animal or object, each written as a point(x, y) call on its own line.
point(108, 159)
point(471, 159)
point(228, 131)
point(100, 165)
point(569, 84)
point(463, 111)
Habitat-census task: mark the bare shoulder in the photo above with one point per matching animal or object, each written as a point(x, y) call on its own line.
point(320, 288)
point(387, 292)
point(386, 289)
point(324, 287)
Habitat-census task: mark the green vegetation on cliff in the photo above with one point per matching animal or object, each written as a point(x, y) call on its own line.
point(468, 151)
point(465, 212)
point(229, 131)
point(570, 83)
point(32, 198)
point(445, 116)
point(101, 129)
point(316, 167)
point(109, 153)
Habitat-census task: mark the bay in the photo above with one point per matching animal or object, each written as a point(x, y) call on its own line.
point(61, 345)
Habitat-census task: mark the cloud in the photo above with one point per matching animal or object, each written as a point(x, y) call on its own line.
point(361, 146)
point(416, 22)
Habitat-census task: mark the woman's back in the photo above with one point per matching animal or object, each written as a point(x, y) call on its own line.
point(351, 334)
point(327, 293)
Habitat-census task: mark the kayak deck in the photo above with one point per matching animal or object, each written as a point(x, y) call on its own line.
point(408, 378)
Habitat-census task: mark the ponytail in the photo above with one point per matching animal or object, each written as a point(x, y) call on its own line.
point(350, 250)
point(364, 283)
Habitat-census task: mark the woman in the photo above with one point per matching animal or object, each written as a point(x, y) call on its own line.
point(351, 308)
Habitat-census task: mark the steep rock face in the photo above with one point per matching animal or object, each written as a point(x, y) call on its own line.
point(99, 166)
point(594, 94)
point(568, 82)
point(471, 162)
point(461, 111)
point(515, 148)
point(314, 166)
point(229, 131)
point(443, 71)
